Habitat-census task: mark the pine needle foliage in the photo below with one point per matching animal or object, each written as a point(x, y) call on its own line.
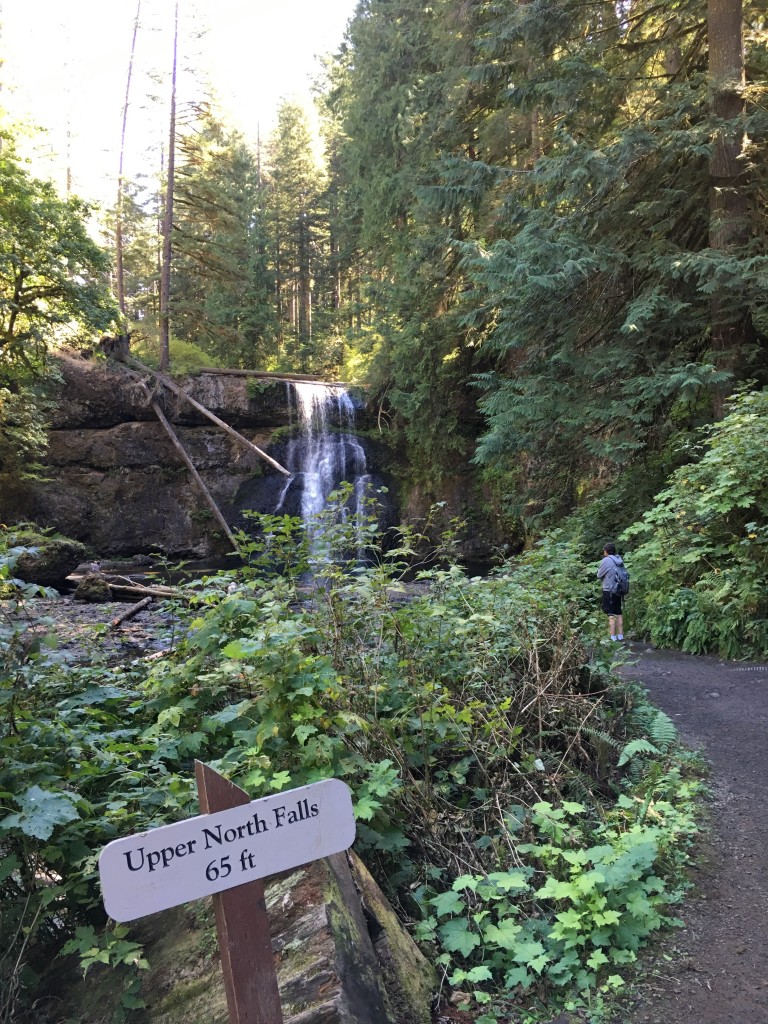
point(532, 182)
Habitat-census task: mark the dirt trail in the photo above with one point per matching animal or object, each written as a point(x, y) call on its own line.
point(715, 971)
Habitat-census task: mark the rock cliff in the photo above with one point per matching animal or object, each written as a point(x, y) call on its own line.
point(113, 479)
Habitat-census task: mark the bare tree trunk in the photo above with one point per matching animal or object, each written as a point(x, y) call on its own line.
point(304, 293)
point(195, 475)
point(168, 383)
point(165, 279)
point(279, 302)
point(119, 209)
point(729, 226)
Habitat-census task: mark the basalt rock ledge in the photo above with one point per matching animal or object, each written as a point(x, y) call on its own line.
point(112, 479)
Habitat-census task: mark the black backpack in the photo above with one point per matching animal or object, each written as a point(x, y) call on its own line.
point(621, 580)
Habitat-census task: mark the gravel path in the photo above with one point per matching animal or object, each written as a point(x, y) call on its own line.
point(715, 971)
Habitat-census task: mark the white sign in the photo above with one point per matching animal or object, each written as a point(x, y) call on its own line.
point(173, 864)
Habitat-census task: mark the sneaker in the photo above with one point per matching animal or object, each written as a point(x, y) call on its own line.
point(620, 636)
point(614, 637)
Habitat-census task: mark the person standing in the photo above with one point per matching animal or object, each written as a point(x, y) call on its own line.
point(612, 601)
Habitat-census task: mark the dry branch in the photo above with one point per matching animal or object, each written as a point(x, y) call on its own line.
point(130, 612)
point(195, 475)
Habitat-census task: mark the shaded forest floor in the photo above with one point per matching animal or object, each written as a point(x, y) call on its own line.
point(715, 969)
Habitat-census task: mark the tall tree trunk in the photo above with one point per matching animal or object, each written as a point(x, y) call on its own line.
point(119, 210)
point(729, 225)
point(279, 296)
point(165, 279)
point(304, 287)
point(534, 117)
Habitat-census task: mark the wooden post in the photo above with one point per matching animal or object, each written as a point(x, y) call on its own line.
point(242, 924)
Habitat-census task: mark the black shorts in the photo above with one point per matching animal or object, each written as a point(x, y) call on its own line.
point(611, 603)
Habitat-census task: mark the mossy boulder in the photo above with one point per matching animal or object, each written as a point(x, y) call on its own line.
point(93, 588)
point(50, 559)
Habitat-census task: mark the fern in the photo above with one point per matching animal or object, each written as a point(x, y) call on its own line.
point(663, 732)
point(635, 747)
point(601, 738)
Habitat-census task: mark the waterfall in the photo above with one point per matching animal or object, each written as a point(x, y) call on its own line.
point(323, 450)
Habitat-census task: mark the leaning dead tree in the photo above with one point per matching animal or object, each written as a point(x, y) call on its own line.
point(195, 475)
point(181, 393)
point(121, 355)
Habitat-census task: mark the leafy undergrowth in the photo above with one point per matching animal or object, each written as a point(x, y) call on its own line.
point(702, 559)
point(527, 812)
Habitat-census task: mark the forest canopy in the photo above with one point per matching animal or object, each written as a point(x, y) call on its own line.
point(537, 233)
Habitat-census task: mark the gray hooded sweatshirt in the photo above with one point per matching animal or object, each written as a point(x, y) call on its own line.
point(606, 571)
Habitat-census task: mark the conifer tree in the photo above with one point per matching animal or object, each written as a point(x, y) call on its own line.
point(295, 223)
point(222, 282)
point(393, 100)
point(532, 185)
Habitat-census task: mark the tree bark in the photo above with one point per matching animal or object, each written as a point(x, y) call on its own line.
point(729, 225)
point(165, 278)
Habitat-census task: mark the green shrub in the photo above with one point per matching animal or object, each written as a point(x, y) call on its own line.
point(527, 807)
point(185, 357)
point(700, 572)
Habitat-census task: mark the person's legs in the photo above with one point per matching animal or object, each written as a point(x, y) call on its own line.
point(612, 607)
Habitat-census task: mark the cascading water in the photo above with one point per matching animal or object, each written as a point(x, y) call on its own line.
point(319, 457)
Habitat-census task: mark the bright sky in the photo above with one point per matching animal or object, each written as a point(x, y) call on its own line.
point(66, 62)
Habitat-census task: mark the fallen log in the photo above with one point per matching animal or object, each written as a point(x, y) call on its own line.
point(265, 375)
point(129, 613)
point(195, 476)
point(128, 588)
point(172, 386)
point(164, 592)
point(289, 378)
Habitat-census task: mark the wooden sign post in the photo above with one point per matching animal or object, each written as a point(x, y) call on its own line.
point(226, 853)
point(242, 923)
